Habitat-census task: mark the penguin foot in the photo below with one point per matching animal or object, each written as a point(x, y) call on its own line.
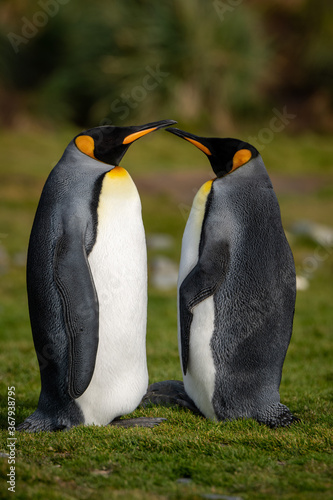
point(40, 425)
point(276, 415)
point(137, 422)
point(169, 393)
point(38, 422)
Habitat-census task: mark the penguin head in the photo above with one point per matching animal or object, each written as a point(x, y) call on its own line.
point(225, 155)
point(109, 143)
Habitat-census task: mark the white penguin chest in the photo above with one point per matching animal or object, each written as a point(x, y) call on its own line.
point(199, 380)
point(118, 264)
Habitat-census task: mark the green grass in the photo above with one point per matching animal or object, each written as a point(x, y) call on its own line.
point(240, 458)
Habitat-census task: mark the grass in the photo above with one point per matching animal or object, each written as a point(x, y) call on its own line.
point(187, 456)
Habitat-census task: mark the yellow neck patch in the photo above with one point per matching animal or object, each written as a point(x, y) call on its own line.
point(240, 158)
point(199, 204)
point(118, 184)
point(86, 145)
point(201, 196)
point(117, 172)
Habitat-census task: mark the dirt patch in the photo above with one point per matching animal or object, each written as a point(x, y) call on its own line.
point(181, 186)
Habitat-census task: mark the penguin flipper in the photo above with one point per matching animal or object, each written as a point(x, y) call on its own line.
point(199, 284)
point(80, 310)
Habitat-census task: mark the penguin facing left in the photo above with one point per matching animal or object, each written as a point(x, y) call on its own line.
point(236, 289)
point(87, 284)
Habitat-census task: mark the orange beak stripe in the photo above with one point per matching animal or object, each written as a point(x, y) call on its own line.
point(136, 135)
point(199, 145)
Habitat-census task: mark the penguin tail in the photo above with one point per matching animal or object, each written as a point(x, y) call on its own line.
point(276, 415)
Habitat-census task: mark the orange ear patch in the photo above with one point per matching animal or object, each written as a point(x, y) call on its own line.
point(242, 156)
point(86, 145)
point(136, 135)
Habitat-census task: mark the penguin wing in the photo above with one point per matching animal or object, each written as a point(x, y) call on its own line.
point(202, 282)
point(80, 310)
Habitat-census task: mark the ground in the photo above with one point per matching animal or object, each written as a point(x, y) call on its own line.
point(187, 456)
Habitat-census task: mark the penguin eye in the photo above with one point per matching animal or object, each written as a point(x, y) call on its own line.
point(242, 156)
point(86, 145)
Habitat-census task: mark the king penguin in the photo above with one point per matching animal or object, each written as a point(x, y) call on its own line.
point(87, 284)
point(236, 289)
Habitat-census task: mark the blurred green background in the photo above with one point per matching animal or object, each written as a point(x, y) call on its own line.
point(219, 64)
point(260, 71)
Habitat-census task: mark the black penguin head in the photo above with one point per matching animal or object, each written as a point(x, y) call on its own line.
point(225, 155)
point(109, 143)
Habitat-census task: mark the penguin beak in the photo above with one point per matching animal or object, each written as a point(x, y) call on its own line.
point(108, 144)
point(142, 130)
point(194, 139)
